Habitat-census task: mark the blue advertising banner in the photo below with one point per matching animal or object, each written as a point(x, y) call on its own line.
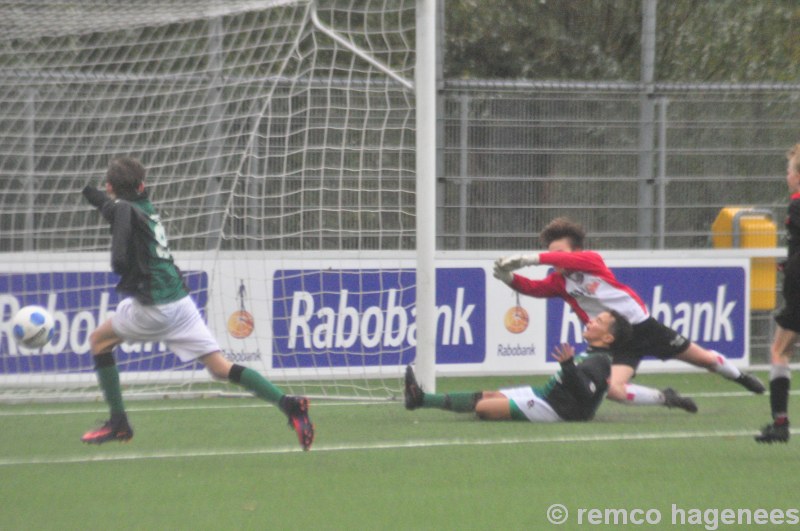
point(705, 304)
point(78, 302)
point(341, 318)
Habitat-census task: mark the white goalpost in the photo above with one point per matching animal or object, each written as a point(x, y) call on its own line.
point(290, 148)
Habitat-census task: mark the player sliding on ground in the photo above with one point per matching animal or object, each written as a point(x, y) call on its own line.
point(574, 393)
point(584, 281)
point(157, 307)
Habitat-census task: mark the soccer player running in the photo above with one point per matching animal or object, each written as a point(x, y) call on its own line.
point(157, 307)
point(584, 281)
point(574, 393)
point(788, 320)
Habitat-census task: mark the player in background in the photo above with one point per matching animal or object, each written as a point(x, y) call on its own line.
point(574, 393)
point(157, 306)
point(584, 281)
point(788, 320)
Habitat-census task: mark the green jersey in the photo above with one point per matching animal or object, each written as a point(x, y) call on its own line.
point(139, 251)
point(577, 389)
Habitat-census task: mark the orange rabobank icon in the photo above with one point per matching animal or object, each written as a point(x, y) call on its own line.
point(516, 319)
point(241, 322)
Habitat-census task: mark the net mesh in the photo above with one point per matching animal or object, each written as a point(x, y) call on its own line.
point(272, 132)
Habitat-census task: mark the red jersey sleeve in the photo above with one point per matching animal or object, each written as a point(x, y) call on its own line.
point(586, 261)
point(550, 286)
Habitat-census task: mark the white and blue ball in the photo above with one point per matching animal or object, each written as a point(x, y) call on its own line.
point(33, 326)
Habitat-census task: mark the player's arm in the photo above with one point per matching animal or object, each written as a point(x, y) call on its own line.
point(578, 384)
point(550, 286)
point(586, 261)
point(504, 266)
point(98, 199)
point(121, 235)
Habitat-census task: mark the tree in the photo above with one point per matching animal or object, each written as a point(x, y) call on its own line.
point(589, 40)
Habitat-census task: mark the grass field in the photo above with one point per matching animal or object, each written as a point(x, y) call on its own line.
point(234, 464)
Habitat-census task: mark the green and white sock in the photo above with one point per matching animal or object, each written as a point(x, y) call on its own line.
point(457, 402)
point(255, 383)
point(108, 377)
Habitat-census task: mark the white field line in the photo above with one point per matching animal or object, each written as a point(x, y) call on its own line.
point(23, 411)
point(231, 405)
point(396, 445)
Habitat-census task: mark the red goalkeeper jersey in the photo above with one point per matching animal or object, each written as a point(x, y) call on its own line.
point(586, 284)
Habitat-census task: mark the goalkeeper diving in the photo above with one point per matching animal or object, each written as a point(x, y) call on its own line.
point(583, 280)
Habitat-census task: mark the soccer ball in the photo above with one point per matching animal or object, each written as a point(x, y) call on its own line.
point(33, 326)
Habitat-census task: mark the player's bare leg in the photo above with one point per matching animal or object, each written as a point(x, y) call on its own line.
point(715, 362)
point(103, 339)
point(621, 390)
point(493, 406)
point(218, 365)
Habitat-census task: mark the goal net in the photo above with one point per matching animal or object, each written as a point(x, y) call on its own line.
point(279, 139)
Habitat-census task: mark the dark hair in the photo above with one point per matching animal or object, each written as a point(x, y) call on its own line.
point(621, 329)
point(563, 228)
point(126, 176)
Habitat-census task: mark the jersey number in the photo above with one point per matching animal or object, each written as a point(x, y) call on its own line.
point(162, 251)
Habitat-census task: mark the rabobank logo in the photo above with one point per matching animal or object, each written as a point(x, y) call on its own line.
point(78, 302)
point(705, 304)
point(334, 318)
point(516, 319)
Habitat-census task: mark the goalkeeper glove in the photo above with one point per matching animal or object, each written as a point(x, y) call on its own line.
point(516, 261)
point(502, 274)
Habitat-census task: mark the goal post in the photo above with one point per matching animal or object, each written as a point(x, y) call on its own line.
point(290, 150)
point(426, 193)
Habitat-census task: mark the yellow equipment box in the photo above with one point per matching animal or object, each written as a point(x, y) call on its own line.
point(743, 227)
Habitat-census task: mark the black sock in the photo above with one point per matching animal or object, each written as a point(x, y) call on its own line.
point(235, 374)
point(779, 396)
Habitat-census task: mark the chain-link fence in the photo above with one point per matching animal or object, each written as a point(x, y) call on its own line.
point(515, 155)
point(639, 169)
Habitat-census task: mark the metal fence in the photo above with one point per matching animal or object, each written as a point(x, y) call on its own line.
point(515, 155)
point(639, 168)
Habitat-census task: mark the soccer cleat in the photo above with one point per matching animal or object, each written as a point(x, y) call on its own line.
point(673, 399)
point(774, 433)
point(111, 430)
point(296, 408)
point(751, 383)
point(412, 392)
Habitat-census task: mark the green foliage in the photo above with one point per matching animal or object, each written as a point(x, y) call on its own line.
point(728, 40)
point(697, 41)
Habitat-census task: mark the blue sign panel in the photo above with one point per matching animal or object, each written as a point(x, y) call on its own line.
point(705, 304)
point(342, 318)
point(78, 302)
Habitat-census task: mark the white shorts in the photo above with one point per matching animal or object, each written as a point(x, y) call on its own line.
point(178, 324)
point(535, 408)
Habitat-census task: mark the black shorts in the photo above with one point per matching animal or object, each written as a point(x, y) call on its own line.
point(789, 315)
point(650, 338)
